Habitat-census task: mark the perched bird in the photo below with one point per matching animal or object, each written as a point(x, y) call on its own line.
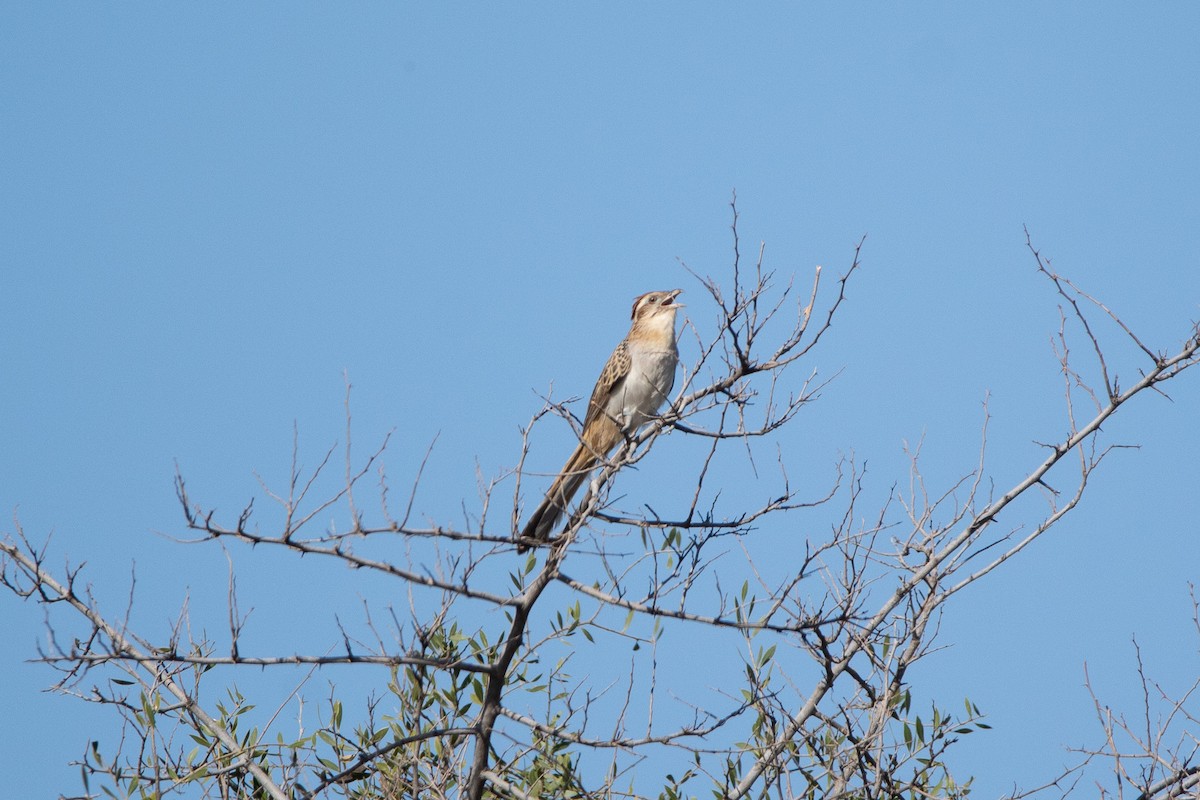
point(633, 386)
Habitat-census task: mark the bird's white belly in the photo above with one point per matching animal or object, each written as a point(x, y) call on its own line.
point(645, 389)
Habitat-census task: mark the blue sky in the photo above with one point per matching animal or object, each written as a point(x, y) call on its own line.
point(210, 214)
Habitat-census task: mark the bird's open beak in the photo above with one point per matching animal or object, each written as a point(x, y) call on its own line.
point(675, 294)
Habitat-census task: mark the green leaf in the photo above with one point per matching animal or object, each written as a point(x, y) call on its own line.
point(764, 658)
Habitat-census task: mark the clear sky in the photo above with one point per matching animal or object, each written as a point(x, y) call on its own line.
point(210, 212)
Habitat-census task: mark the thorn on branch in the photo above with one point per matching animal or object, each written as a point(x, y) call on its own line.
point(1048, 487)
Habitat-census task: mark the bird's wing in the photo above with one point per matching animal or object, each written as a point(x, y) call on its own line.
point(609, 383)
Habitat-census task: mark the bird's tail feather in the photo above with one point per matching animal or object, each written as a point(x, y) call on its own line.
point(541, 523)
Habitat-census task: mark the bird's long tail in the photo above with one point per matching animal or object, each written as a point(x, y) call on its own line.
point(547, 515)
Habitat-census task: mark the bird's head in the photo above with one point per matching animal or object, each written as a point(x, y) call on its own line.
point(654, 315)
point(653, 304)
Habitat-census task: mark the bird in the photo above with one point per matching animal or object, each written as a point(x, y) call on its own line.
point(631, 389)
